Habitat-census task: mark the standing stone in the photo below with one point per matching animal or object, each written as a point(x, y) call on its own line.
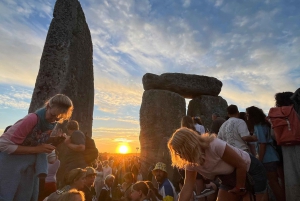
point(204, 106)
point(66, 65)
point(188, 86)
point(160, 116)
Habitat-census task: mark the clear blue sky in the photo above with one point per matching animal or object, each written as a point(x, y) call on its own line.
point(253, 47)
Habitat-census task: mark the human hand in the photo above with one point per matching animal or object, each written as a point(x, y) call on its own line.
point(238, 191)
point(68, 140)
point(44, 148)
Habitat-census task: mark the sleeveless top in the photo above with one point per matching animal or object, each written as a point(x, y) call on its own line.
point(41, 131)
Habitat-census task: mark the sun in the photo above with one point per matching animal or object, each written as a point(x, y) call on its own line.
point(123, 149)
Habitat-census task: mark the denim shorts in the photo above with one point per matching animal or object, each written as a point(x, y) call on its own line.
point(257, 174)
point(271, 166)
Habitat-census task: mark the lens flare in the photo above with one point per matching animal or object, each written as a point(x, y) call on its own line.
point(123, 149)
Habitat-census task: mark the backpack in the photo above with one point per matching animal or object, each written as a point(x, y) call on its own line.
point(286, 125)
point(90, 152)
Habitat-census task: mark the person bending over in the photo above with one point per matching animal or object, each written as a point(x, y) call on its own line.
point(213, 157)
point(24, 146)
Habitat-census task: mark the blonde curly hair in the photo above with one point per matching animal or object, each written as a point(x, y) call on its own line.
point(71, 195)
point(188, 147)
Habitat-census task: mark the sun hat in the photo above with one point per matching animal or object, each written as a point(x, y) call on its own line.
point(160, 166)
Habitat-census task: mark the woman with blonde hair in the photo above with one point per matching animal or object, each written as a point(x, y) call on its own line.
point(212, 157)
point(75, 180)
point(23, 147)
point(72, 195)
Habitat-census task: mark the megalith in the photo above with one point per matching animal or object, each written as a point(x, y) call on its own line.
point(203, 106)
point(160, 115)
point(187, 85)
point(66, 65)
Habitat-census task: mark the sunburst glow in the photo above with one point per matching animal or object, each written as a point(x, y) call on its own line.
point(123, 149)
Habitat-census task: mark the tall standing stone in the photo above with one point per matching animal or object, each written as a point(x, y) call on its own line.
point(66, 65)
point(160, 115)
point(204, 106)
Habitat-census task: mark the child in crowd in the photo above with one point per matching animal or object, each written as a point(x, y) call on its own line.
point(139, 191)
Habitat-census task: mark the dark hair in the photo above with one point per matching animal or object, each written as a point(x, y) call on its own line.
point(6, 129)
point(256, 116)
point(187, 122)
point(283, 99)
point(250, 126)
point(129, 176)
point(197, 120)
point(243, 116)
point(155, 190)
point(73, 125)
point(232, 109)
point(141, 186)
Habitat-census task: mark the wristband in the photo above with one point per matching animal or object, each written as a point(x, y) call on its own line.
point(242, 190)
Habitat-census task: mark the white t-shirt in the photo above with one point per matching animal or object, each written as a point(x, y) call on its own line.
point(106, 171)
point(231, 132)
point(200, 128)
point(214, 165)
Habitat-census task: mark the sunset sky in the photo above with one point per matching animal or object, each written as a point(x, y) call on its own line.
point(253, 47)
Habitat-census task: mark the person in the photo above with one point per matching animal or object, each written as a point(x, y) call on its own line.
point(217, 123)
point(198, 125)
point(50, 180)
point(24, 146)
point(139, 191)
point(106, 194)
point(251, 145)
point(212, 157)
point(188, 122)
point(75, 141)
point(89, 189)
point(99, 181)
point(235, 131)
point(165, 186)
point(135, 168)
point(291, 154)
point(107, 170)
point(73, 195)
point(126, 186)
point(153, 194)
point(74, 180)
point(266, 152)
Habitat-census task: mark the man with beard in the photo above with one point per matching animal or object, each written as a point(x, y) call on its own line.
point(165, 187)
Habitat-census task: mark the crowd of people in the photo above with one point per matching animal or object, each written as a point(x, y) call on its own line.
point(235, 159)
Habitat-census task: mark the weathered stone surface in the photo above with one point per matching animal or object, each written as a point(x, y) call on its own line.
point(204, 106)
point(160, 116)
point(66, 65)
point(188, 86)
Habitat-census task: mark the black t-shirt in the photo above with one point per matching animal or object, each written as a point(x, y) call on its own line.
point(89, 193)
point(104, 195)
